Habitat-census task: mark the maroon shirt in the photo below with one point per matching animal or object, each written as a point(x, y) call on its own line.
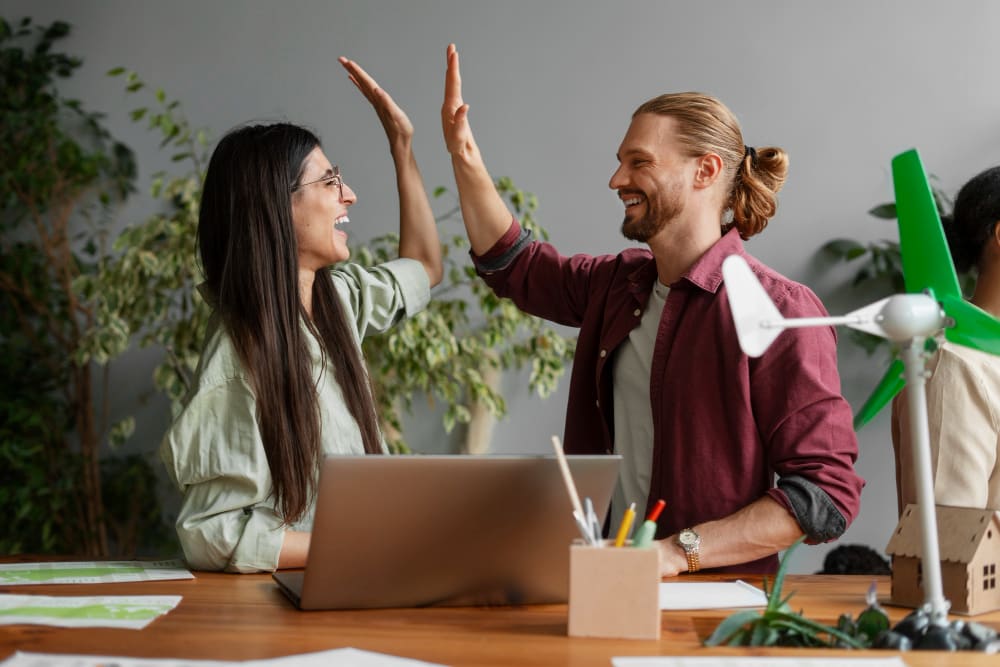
point(724, 424)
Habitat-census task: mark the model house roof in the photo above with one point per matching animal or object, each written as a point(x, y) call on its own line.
point(961, 532)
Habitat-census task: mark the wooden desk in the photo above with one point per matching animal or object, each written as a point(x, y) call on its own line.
point(238, 617)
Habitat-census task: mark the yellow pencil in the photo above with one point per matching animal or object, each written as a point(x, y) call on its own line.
point(626, 525)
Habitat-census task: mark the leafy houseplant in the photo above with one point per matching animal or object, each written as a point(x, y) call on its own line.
point(446, 351)
point(61, 171)
point(879, 266)
point(452, 354)
point(778, 625)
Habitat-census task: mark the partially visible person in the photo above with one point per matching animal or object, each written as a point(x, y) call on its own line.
point(658, 374)
point(963, 390)
point(281, 382)
point(854, 559)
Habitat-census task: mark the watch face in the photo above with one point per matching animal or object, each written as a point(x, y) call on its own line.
point(687, 537)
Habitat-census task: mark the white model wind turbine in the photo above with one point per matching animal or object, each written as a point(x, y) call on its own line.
point(905, 319)
point(933, 304)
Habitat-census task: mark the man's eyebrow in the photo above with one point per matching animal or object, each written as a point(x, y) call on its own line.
point(642, 152)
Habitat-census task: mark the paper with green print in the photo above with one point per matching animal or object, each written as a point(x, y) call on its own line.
point(91, 572)
point(340, 657)
point(115, 611)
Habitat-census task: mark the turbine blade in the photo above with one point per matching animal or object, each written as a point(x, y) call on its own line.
point(890, 385)
point(757, 319)
point(926, 259)
point(974, 327)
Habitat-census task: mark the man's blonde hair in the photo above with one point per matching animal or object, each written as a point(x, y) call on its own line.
point(753, 176)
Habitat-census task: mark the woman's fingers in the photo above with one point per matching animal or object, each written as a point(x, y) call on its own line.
point(393, 118)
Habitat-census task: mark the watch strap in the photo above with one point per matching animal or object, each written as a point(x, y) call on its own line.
point(691, 551)
point(692, 559)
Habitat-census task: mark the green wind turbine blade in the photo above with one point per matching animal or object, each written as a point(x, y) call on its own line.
point(974, 327)
point(926, 259)
point(890, 385)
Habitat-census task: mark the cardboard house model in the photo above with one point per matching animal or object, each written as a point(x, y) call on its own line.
point(969, 544)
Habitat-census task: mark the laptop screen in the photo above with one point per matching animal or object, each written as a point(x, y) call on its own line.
point(404, 531)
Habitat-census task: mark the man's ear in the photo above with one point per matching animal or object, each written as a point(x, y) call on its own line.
point(708, 170)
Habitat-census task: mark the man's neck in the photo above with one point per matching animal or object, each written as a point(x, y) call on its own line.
point(681, 243)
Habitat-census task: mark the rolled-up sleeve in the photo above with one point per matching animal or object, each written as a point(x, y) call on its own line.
point(382, 295)
point(214, 455)
point(807, 424)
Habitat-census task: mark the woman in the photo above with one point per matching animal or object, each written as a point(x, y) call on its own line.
point(281, 381)
point(964, 386)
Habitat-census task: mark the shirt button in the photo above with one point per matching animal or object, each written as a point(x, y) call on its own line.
point(604, 353)
point(637, 312)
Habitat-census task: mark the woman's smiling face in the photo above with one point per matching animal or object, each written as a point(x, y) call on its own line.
point(319, 205)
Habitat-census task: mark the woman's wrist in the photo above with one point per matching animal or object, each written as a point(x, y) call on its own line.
point(401, 148)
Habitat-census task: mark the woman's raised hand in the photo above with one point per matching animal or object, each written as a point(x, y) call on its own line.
point(398, 128)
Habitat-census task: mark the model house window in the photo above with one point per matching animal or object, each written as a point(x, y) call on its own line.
point(989, 577)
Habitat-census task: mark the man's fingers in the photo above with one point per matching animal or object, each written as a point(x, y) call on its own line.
point(453, 80)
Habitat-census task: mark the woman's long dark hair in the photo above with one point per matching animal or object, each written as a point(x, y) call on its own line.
point(250, 257)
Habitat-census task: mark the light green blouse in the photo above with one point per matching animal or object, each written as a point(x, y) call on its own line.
point(213, 451)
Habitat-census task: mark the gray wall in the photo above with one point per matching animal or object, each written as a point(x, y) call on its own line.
point(841, 86)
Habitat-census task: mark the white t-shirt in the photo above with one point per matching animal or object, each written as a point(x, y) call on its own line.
point(633, 411)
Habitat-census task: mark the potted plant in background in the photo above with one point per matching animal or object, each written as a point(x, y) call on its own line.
point(878, 266)
point(62, 488)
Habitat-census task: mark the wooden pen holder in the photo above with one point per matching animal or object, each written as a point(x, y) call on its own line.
point(614, 592)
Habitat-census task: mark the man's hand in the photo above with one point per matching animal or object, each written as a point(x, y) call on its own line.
point(672, 558)
point(454, 111)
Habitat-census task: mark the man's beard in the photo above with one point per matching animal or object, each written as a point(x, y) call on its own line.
point(657, 217)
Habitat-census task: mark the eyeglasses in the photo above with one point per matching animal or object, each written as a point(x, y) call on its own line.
point(328, 179)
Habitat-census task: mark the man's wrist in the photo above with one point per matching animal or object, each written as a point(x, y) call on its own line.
point(690, 543)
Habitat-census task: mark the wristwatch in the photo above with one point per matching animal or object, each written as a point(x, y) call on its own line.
point(689, 541)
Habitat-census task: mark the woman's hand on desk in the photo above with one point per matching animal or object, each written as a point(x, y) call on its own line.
point(294, 550)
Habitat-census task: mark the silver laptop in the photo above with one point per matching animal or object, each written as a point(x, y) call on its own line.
point(411, 531)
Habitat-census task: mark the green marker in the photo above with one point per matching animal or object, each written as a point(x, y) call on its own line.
point(644, 536)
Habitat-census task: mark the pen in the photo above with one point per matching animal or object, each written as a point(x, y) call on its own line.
point(625, 525)
point(592, 523)
point(584, 527)
point(647, 530)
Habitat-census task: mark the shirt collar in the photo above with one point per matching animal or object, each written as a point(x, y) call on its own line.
point(706, 272)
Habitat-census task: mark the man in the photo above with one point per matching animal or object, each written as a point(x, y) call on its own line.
point(658, 374)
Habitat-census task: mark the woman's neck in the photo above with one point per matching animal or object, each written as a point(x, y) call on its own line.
point(987, 292)
point(306, 280)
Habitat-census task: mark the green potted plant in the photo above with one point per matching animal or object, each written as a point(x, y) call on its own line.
point(61, 180)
